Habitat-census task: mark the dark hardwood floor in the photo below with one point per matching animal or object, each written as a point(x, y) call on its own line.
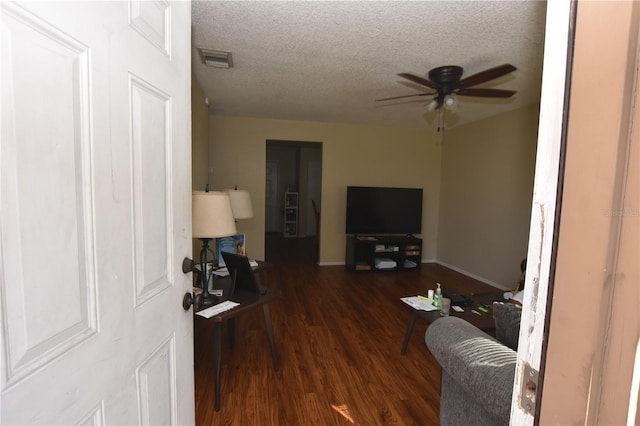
point(338, 337)
point(281, 251)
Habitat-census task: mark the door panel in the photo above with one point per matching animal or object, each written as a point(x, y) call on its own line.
point(35, 333)
point(96, 213)
point(314, 178)
point(271, 197)
point(151, 209)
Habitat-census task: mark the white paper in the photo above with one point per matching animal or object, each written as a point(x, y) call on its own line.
point(420, 304)
point(214, 310)
point(224, 272)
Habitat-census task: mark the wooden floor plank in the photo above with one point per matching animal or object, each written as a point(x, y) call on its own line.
point(338, 337)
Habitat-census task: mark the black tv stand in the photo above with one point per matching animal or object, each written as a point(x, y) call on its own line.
point(383, 252)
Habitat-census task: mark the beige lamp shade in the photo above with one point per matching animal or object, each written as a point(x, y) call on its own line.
point(212, 215)
point(240, 204)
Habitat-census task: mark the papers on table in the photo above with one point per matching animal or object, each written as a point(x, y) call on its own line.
point(417, 303)
point(214, 310)
point(222, 272)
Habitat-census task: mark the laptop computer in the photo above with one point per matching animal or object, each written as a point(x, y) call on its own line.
point(242, 276)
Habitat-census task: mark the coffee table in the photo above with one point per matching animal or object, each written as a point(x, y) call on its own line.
point(484, 321)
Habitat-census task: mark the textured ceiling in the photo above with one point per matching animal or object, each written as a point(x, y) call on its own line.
point(329, 61)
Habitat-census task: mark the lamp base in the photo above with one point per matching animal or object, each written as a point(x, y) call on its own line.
point(208, 299)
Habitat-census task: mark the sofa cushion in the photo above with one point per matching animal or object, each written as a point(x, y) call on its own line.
point(457, 408)
point(507, 317)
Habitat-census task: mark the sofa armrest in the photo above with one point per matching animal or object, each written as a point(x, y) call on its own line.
point(483, 367)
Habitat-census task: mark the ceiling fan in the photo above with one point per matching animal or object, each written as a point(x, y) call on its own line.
point(446, 81)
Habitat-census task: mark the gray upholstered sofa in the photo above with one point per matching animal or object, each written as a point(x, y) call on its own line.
point(477, 370)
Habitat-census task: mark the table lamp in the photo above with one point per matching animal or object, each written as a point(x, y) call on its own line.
point(240, 203)
point(212, 218)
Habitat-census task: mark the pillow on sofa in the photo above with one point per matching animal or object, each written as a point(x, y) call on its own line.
point(507, 318)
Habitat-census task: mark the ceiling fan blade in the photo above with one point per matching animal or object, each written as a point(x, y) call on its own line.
point(487, 75)
point(405, 96)
point(486, 93)
point(419, 80)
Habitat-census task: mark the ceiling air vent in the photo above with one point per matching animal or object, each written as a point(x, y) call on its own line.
point(215, 58)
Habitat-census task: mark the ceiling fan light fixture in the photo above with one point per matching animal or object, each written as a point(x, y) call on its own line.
point(450, 102)
point(448, 83)
point(215, 58)
point(432, 105)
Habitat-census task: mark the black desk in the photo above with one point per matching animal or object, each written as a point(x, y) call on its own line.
point(247, 300)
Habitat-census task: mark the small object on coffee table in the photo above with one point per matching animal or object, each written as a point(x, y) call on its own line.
point(481, 321)
point(458, 299)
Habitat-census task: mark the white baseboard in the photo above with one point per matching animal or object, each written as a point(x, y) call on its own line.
point(342, 263)
point(474, 276)
point(455, 268)
point(331, 264)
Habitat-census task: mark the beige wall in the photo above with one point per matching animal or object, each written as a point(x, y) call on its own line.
point(199, 144)
point(199, 137)
point(352, 155)
point(485, 204)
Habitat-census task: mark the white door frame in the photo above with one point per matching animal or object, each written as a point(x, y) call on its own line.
point(544, 211)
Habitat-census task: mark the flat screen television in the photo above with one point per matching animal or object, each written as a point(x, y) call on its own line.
point(377, 210)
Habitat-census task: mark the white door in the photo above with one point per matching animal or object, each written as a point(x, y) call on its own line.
point(95, 213)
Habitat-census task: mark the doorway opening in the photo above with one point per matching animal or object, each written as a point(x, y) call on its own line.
point(293, 204)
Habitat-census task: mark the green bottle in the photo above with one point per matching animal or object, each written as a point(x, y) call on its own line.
point(437, 297)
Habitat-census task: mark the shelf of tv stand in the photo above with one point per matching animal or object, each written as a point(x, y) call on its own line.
point(363, 250)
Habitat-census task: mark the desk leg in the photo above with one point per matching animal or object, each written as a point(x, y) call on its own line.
point(231, 328)
point(217, 346)
point(261, 275)
point(267, 321)
point(412, 322)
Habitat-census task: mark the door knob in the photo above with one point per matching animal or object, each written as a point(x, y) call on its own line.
point(189, 300)
point(188, 265)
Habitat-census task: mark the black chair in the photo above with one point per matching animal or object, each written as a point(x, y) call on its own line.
point(242, 276)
